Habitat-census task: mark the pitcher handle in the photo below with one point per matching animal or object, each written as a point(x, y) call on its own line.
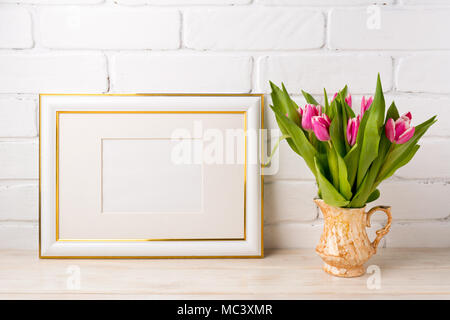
point(380, 233)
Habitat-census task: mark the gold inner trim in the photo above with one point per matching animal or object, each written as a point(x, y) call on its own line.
point(150, 112)
point(261, 96)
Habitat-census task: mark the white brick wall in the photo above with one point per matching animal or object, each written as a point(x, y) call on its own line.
point(15, 28)
point(412, 29)
point(52, 72)
point(234, 46)
point(253, 29)
point(120, 28)
point(424, 73)
point(331, 71)
point(18, 118)
point(180, 73)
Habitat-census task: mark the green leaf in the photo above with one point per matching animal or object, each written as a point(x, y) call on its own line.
point(327, 105)
point(302, 146)
point(328, 192)
point(370, 138)
point(344, 186)
point(284, 131)
point(283, 102)
point(374, 196)
point(336, 130)
point(309, 98)
point(392, 112)
point(351, 161)
point(368, 185)
point(333, 166)
point(344, 91)
point(364, 190)
point(401, 161)
point(399, 150)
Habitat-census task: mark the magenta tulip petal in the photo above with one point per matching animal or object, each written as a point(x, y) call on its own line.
point(350, 125)
point(390, 129)
point(349, 100)
point(408, 115)
point(408, 134)
point(325, 117)
point(321, 128)
point(354, 132)
point(400, 126)
point(365, 104)
point(310, 112)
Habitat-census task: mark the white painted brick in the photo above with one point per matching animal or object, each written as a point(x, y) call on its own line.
point(431, 161)
point(322, 2)
point(412, 200)
point(424, 73)
point(182, 2)
point(53, 73)
point(109, 28)
point(19, 202)
point(253, 29)
point(419, 234)
point(191, 73)
point(289, 201)
point(19, 236)
point(423, 108)
point(290, 165)
point(53, 1)
point(17, 118)
point(292, 235)
point(314, 72)
point(403, 29)
point(19, 160)
point(15, 28)
point(412, 2)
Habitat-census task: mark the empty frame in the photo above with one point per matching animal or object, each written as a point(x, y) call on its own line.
point(150, 176)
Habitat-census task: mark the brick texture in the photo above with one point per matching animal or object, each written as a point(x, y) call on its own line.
point(235, 46)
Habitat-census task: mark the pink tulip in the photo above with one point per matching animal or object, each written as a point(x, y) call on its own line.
point(400, 131)
point(352, 130)
point(321, 127)
point(310, 112)
point(365, 104)
point(348, 100)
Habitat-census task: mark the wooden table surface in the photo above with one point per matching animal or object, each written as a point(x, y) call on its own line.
point(283, 274)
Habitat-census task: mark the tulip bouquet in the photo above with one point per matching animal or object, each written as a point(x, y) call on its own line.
point(349, 155)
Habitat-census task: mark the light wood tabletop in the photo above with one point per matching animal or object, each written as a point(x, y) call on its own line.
point(283, 274)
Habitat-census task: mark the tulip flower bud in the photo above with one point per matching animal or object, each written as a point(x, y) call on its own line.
point(310, 112)
point(399, 131)
point(321, 127)
point(348, 100)
point(352, 130)
point(365, 104)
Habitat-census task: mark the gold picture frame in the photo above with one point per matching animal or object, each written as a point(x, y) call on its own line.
point(261, 96)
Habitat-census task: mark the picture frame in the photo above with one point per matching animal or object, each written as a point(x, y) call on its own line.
point(109, 186)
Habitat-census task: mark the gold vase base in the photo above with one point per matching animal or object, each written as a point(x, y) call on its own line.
point(343, 272)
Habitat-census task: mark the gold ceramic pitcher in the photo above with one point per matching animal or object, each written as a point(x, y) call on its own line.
point(344, 245)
